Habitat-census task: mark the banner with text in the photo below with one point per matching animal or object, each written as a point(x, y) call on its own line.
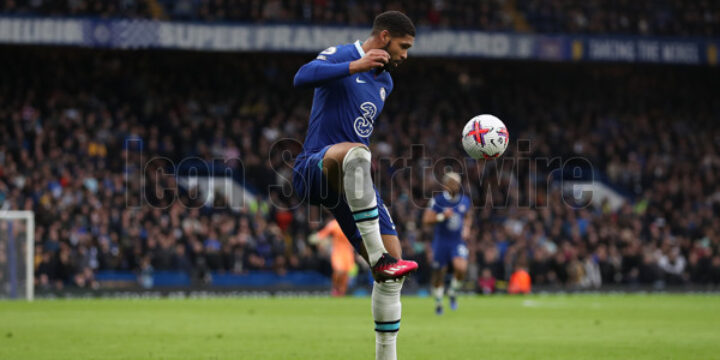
point(149, 34)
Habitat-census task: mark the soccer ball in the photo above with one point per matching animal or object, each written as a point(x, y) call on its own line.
point(485, 136)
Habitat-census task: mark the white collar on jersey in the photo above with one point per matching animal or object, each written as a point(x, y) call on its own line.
point(450, 198)
point(358, 46)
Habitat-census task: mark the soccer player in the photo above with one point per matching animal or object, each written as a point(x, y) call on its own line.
point(451, 214)
point(342, 257)
point(352, 83)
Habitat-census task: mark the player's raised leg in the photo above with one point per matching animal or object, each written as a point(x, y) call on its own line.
point(347, 168)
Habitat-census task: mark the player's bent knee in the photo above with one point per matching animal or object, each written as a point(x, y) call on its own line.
point(357, 182)
point(350, 145)
point(356, 155)
point(332, 163)
point(336, 153)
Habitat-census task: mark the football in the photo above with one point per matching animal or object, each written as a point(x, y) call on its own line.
point(485, 136)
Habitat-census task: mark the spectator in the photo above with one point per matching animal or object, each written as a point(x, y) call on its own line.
point(673, 265)
point(639, 17)
point(96, 210)
point(486, 282)
point(593, 277)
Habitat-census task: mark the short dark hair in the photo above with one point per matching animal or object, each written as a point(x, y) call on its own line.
point(397, 23)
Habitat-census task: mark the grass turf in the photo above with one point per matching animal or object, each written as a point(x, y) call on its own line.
point(533, 327)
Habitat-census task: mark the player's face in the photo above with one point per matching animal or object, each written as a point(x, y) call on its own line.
point(398, 47)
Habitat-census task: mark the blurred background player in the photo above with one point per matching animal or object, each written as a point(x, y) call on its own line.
point(342, 258)
point(520, 282)
point(451, 214)
point(351, 84)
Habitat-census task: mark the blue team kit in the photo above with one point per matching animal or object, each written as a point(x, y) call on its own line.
point(344, 109)
point(447, 241)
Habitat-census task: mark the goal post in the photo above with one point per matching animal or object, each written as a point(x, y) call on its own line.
point(17, 247)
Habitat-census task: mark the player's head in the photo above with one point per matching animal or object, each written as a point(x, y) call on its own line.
point(397, 34)
point(451, 182)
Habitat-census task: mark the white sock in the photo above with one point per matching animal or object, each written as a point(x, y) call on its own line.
point(438, 294)
point(454, 286)
point(361, 198)
point(386, 310)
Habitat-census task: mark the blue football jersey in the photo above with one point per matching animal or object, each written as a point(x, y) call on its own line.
point(450, 229)
point(345, 109)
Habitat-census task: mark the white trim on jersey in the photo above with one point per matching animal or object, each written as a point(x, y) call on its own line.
point(450, 198)
point(358, 46)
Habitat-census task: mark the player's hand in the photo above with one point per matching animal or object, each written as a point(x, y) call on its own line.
point(448, 212)
point(373, 59)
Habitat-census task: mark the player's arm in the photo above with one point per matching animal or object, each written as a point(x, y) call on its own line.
point(435, 214)
point(467, 224)
point(324, 69)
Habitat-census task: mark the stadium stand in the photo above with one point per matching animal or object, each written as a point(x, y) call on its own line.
point(644, 17)
point(72, 122)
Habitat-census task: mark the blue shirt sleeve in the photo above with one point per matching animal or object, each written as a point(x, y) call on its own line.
point(435, 206)
point(317, 72)
point(330, 64)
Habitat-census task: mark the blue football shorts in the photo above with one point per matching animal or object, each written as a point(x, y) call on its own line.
point(445, 251)
point(311, 187)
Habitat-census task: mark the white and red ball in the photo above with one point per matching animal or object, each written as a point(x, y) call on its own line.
point(485, 136)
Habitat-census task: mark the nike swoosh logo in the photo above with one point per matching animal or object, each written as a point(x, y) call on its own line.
point(357, 80)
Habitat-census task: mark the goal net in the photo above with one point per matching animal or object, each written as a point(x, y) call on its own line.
point(17, 240)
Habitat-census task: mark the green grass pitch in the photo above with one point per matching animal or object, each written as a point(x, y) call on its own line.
point(532, 327)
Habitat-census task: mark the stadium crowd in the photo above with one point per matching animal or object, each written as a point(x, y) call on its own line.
point(72, 121)
point(641, 17)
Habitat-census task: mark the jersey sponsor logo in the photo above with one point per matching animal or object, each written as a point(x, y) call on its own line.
point(360, 81)
point(364, 124)
point(454, 222)
point(382, 93)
